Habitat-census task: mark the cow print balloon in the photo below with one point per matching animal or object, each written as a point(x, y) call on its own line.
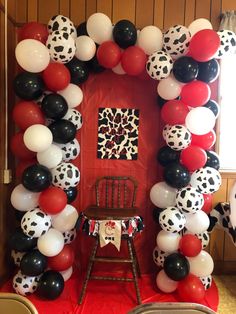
point(61, 46)
point(204, 238)
point(227, 43)
point(70, 151)
point(75, 117)
point(159, 65)
point(206, 180)
point(65, 175)
point(35, 223)
point(165, 130)
point(176, 41)
point(178, 137)
point(62, 23)
point(17, 256)
point(25, 285)
point(159, 256)
point(69, 236)
point(206, 281)
point(189, 200)
point(172, 220)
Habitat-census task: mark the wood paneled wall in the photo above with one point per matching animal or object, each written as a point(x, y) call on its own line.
point(162, 13)
point(6, 213)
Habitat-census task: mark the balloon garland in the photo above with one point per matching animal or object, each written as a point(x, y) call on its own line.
point(55, 61)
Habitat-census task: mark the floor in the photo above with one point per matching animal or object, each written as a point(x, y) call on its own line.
point(227, 294)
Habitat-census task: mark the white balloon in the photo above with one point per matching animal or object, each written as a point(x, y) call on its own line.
point(50, 157)
point(199, 25)
point(66, 219)
point(32, 55)
point(169, 88)
point(162, 195)
point(35, 223)
point(51, 243)
point(99, 27)
point(72, 94)
point(168, 242)
point(23, 199)
point(69, 236)
point(206, 180)
point(65, 175)
point(164, 283)
point(150, 39)
point(85, 48)
point(118, 69)
point(172, 220)
point(165, 131)
point(61, 23)
point(159, 65)
point(200, 120)
point(66, 274)
point(17, 257)
point(201, 265)
point(37, 138)
point(159, 256)
point(198, 222)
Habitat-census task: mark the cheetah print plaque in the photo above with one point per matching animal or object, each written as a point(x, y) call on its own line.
point(118, 133)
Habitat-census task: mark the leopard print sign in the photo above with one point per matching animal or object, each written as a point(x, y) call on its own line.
point(118, 133)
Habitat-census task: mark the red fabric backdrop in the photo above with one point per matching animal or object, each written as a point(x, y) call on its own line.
point(113, 91)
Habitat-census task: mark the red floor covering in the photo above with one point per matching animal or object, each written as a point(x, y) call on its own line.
point(108, 297)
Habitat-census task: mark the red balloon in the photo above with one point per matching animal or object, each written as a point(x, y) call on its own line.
point(63, 260)
point(27, 113)
point(204, 44)
point(108, 54)
point(23, 164)
point(56, 76)
point(191, 289)
point(205, 141)
point(190, 245)
point(174, 112)
point(52, 200)
point(133, 60)
point(193, 157)
point(34, 30)
point(195, 93)
point(207, 206)
point(18, 147)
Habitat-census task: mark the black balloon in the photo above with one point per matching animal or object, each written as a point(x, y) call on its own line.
point(63, 131)
point(33, 263)
point(208, 71)
point(28, 85)
point(82, 29)
point(213, 106)
point(20, 242)
point(19, 215)
point(125, 34)
point(176, 175)
point(166, 155)
point(79, 71)
point(36, 178)
point(212, 160)
point(71, 194)
point(185, 69)
point(94, 65)
point(54, 106)
point(156, 213)
point(161, 101)
point(176, 266)
point(51, 285)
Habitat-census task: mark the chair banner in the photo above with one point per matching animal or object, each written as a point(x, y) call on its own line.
point(110, 232)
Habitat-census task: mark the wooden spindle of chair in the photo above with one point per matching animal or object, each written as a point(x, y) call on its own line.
point(125, 193)
point(113, 193)
point(118, 196)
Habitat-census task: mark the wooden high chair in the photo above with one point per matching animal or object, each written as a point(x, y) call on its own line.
point(115, 200)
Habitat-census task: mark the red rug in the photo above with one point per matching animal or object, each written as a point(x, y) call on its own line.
point(108, 297)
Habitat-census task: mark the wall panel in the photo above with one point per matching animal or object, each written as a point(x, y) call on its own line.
point(141, 18)
point(105, 6)
point(123, 9)
point(46, 9)
point(174, 14)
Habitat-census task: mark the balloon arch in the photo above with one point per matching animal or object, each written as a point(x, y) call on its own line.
point(55, 60)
